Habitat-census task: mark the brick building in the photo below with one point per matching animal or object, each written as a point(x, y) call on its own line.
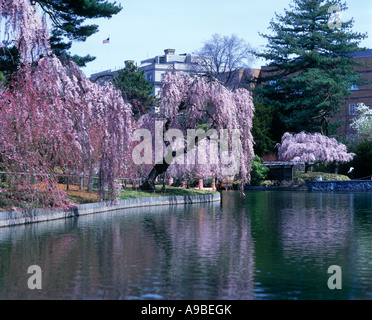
point(361, 94)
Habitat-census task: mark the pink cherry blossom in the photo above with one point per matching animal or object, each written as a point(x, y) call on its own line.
point(187, 102)
point(312, 148)
point(52, 117)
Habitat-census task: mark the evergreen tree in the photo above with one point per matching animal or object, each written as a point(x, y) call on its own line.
point(362, 163)
point(68, 16)
point(135, 89)
point(311, 64)
point(9, 61)
point(267, 128)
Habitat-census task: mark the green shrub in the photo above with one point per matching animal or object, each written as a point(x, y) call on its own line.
point(259, 172)
point(300, 176)
point(270, 183)
point(362, 161)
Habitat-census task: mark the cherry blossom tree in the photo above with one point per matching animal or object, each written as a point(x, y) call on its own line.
point(362, 123)
point(312, 148)
point(188, 102)
point(21, 23)
point(52, 116)
point(204, 166)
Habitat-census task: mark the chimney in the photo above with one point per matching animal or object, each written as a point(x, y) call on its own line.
point(169, 51)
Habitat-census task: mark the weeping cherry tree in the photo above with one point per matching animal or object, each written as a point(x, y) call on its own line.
point(190, 103)
point(52, 116)
point(312, 148)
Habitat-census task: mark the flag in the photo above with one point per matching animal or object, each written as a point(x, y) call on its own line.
point(106, 41)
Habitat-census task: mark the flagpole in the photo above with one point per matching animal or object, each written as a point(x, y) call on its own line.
point(107, 41)
point(108, 53)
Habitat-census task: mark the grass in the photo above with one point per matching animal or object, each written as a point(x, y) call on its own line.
point(82, 196)
point(169, 191)
point(313, 176)
point(78, 196)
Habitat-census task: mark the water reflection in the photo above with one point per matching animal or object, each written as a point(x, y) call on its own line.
point(302, 234)
point(268, 245)
point(317, 230)
point(199, 252)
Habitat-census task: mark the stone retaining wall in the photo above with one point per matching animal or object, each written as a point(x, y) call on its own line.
point(37, 215)
point(348, 185)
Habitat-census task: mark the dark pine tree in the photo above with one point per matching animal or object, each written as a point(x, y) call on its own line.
point(68, 17)
point(311, 65)
point(135, 89)
point(267, 129)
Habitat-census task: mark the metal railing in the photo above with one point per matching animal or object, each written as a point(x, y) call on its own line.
point(80, 180)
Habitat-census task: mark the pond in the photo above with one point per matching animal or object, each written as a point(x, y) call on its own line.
point(267, 245)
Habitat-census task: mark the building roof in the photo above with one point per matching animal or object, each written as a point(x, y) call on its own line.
point(363, 54)
point(281, 163)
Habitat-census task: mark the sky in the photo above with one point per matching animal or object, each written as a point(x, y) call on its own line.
point(144, 28)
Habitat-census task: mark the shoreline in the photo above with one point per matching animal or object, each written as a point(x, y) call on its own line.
point(12, 218)
point(277, 188)
point(337, 186)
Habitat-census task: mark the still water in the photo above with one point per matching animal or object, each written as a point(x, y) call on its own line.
point(268, 245)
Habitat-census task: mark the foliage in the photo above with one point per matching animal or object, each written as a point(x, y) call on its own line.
point(362, 162)
point(68, 20)
point(362, 123)
point(52, 116)
point(312, 148)
point(267, 128)
point(9, 61)
point(311, 65)
point(258, 172)
point(222, 57)
point(25, 28)
point(270, 183)
point(187, 102)
point(313, 176)
point(135, 89)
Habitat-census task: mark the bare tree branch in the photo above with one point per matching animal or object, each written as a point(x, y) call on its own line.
point(222, 57)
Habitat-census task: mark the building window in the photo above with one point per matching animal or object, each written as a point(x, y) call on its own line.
point(162, 76)
point(354, 87)
point(149, 77)
point(352, 109)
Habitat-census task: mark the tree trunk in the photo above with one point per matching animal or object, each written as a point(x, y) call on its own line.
point(200, 184)
point(307, 166)
point(90, 180)
point(336, 168)
point(158, 169)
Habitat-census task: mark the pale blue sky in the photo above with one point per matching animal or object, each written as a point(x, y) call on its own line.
point(144, 28)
